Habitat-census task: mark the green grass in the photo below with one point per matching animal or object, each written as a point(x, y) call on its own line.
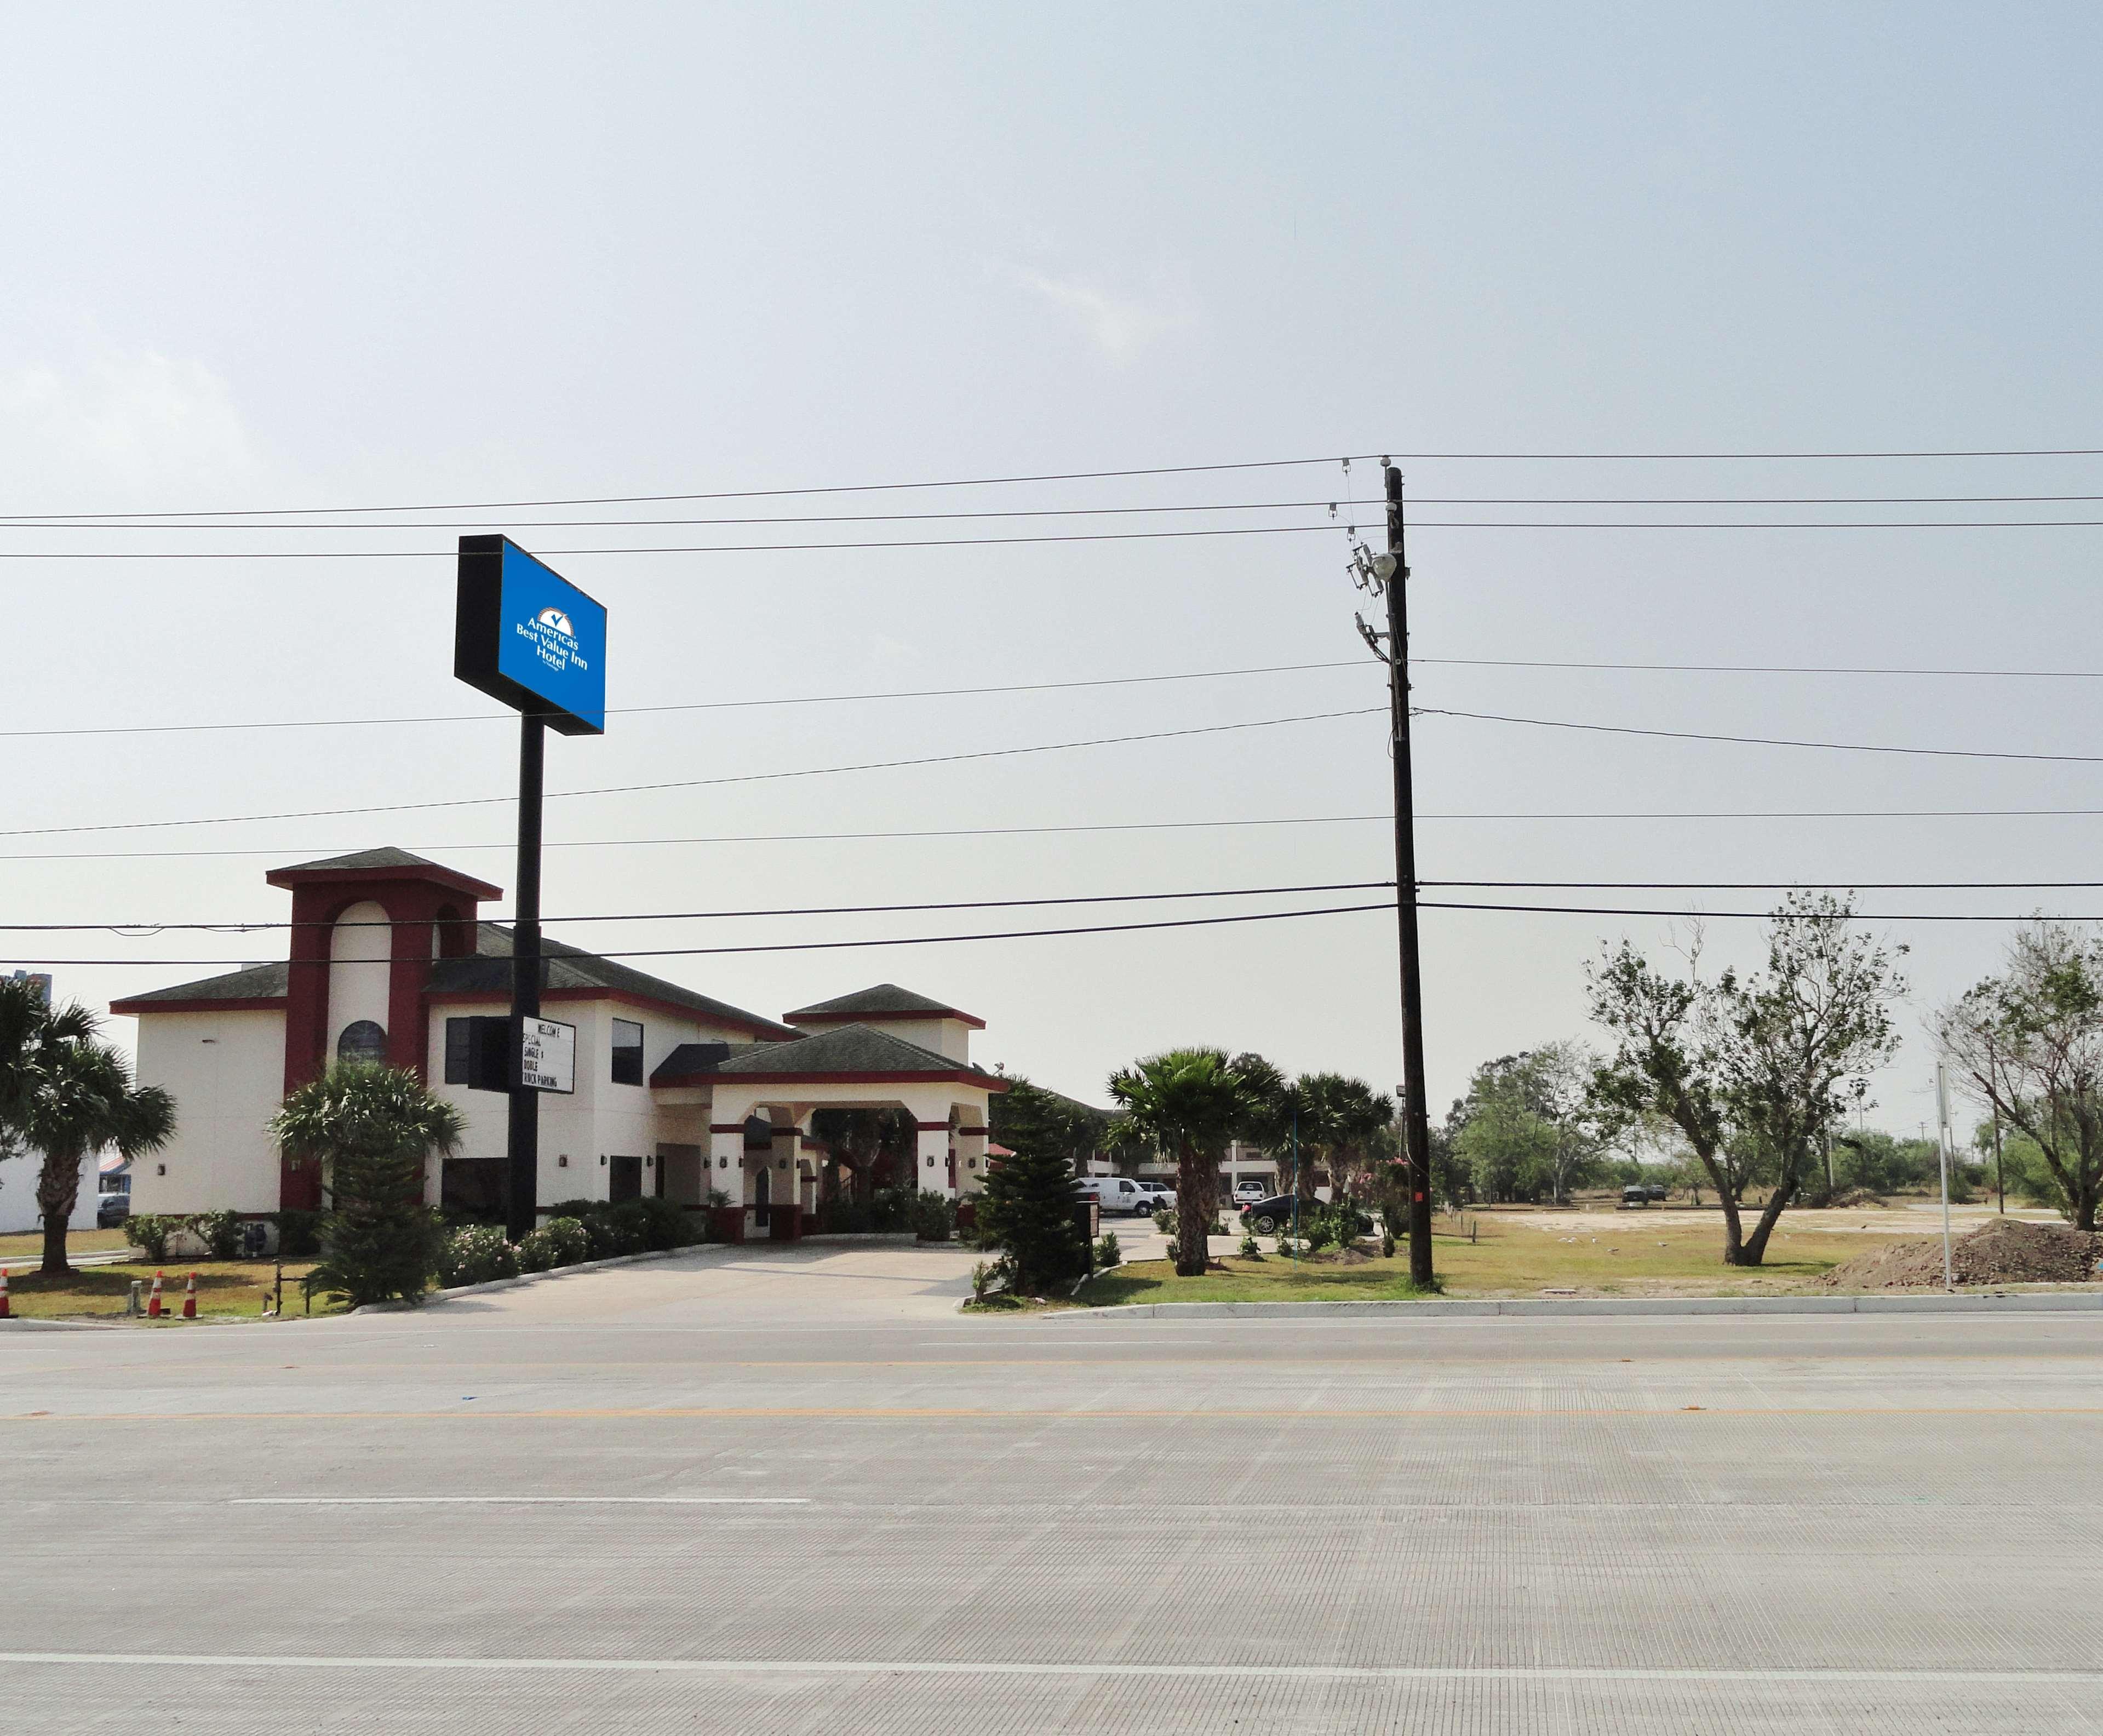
point(15, 1250)
point(1585, 1253)
point(229, 1289)
point(1270, 1280)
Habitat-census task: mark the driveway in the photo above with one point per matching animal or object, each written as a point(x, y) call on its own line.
point(768, 1284)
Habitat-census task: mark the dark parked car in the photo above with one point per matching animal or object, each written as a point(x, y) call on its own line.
point(1269, 1217)
point(111, 1210)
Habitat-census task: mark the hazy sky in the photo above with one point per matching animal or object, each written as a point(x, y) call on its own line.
point(304, 256)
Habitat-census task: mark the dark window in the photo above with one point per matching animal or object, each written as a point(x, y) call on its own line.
point(364, 1043)
point(627, 1053)
point(457, 1039)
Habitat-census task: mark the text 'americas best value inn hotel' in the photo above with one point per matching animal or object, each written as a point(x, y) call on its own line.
point(677, 1095)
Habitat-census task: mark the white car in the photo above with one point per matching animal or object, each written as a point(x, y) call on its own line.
point(1160, 1196)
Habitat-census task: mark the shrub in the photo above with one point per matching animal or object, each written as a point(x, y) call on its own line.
point(1387, 1244)
point(1164, 1221)
point(982, 1280)
point(219, 1231)
point(149, 1231)
point(1317, 1234)
point(561, 1241)
point(934, 1216)
point(477, 1255)
point(1251, 1248)
point(298, 1234)
point(1287, 1248)
point(613, 1233)
point(665, 1225)
point(891, 1210)
point(840, 1216)
point(1108, 1253)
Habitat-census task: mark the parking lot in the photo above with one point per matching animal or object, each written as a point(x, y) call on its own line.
point(789, 1492)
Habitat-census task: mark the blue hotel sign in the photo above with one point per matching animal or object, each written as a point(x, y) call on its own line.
point(525, 635)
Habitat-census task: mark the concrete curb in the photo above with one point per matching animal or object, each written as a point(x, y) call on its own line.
point(1577, 1307)
point(524, 1278)
point(17, 1323)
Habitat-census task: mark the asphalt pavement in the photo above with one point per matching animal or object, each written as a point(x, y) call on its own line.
point(791, 1490)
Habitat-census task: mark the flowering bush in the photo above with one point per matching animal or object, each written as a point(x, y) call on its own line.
point(476, 1255)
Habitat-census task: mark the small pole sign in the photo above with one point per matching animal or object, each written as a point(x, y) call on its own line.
point(548, 1056)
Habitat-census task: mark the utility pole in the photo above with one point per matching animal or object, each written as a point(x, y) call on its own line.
point(2000, 1174)
point(1387, 575)
point(522, 1147)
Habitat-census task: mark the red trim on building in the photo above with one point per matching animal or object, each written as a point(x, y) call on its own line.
point(726, 1126)
point(932, 1126)
point(249, 1003)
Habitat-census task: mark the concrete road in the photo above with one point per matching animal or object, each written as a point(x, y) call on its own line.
point(690, 1498)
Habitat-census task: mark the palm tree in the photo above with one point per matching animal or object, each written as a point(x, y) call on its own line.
point(372, 1128)
point(65, 1095)
point(1190, 1101)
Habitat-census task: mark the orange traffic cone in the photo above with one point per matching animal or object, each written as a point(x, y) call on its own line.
point(3, 1294)
point(153, 1302)
point(189, 1298)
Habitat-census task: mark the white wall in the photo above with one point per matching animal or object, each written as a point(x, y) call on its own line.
point(18, 1194)
point(359, 946)
point(950, 1037)
point(226, 1072)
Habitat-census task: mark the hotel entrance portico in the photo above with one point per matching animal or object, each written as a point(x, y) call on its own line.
point(772, 1090)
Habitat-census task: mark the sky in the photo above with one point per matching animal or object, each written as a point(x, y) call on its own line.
point(332, 258)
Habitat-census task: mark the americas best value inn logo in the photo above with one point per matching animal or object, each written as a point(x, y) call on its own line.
point(553, 640)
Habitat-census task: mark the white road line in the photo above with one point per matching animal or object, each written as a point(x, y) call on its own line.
point(1228, 1671)
point(518, 1501)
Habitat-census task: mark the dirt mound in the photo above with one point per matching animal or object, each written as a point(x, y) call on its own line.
point(2009, 1250)
point(1854, 1198)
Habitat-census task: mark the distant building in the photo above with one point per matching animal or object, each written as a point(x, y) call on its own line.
point(678, 1094)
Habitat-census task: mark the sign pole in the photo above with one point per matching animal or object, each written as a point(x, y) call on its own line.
point(523, 1147)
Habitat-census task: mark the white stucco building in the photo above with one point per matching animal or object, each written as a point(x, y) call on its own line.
point(677, 1095)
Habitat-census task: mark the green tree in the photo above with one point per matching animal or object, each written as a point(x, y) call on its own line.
point(2028, 1045)
point(1194, 1102)
point(1030, 1200)
point(62, 1094)
point(1752, 1069)
point(372, 1129)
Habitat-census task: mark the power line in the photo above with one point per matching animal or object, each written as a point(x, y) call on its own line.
point(1755, 669)
point(723, 494)
point(1339, 503)
point(1764, 886)
point(705, 705)
point(1184, 922)
point(910, 940)
point(719, 548)
point(1689, 735)
point(146, 930)
point(1126, 826)
point(986, 542)
point(1066, 476)
point(699, 783)
point(1610, 909)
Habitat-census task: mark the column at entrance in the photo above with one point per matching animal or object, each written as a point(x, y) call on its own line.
point(932, 1162)
point(971, 1158)
point(726, 1175)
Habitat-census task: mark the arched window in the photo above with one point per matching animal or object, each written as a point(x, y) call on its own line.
point(363, 1042)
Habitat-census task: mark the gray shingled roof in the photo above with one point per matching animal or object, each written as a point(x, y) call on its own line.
point(689, 1061)
point(489, 971)
point(386, 857)
point(258, 982)
point(886, 998)
point(851, 1049)
point(566, 966)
